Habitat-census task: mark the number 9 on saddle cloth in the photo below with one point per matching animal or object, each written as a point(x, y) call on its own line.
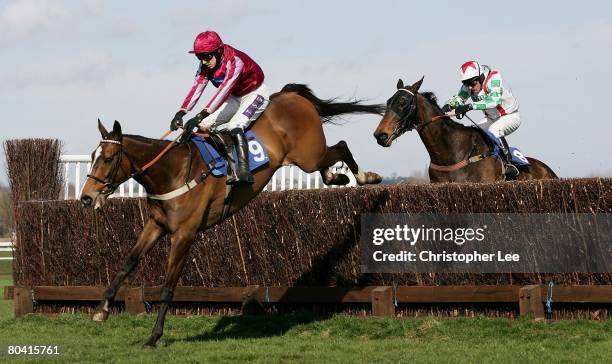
point(213, 151)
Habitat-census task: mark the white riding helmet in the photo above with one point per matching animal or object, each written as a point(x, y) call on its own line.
point(470, 70)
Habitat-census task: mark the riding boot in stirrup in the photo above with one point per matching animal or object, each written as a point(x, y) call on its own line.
point(232, 178)
point(242, 172)
point(510, 169)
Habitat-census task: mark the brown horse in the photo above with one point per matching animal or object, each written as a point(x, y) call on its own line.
point(457, 153)
point(291, 130)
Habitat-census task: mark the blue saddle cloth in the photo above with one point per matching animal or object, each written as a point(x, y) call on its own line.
point(518, 158)
point(258, 156)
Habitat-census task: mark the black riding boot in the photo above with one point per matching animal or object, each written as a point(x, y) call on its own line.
point(240, 169)
point(511, 171)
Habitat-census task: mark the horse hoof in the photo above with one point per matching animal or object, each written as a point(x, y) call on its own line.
point(150, 344)
point(373, 178)
point(100, 316)
point(368, 178)
point(341, 180)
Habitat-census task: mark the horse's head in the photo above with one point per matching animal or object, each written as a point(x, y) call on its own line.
point(110, 167)
point(401, 114)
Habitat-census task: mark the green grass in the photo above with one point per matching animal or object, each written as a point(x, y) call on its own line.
point(6, 279)
point(6, 307)
point(305, 338)
point(6, 266)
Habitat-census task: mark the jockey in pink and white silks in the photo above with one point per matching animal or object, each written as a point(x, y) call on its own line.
point(484, 89)
point(240, 99)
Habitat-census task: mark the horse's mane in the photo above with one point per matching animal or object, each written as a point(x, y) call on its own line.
point(150, 141)
point(433, 100)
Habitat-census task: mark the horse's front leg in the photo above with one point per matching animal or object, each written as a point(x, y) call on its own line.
point(181, 242)
point(146, 240)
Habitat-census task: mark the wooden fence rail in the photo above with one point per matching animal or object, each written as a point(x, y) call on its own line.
point(383, 298)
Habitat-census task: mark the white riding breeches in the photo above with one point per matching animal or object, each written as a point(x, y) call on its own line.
point(238, 112)
point(503, 126)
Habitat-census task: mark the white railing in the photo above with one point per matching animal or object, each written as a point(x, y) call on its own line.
point(6, 246)
point(76, 168)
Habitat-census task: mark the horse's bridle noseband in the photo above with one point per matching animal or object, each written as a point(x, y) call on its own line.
point(112, 185)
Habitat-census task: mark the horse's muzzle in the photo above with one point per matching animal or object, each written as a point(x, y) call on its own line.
point(86, 200)
point(383, 139)
point(95, 200)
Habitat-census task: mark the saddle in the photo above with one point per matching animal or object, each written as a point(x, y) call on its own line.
point(221, 142)
point(518, 158)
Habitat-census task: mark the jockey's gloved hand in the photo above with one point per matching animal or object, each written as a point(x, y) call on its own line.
point(461, 110)
point(446, 108)
point(196, 120)
point(177, 121)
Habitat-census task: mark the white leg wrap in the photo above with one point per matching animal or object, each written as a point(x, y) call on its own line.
point(328, 176)
point(360, 177)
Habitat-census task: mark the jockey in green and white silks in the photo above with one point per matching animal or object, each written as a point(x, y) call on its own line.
point(484, 89)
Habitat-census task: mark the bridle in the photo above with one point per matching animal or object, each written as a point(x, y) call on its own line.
point(402, 125)
point(111, 185)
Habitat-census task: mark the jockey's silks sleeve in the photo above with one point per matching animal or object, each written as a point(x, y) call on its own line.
point(234, 68)
point(492, 93)
point(196, 91)
point(464, 92)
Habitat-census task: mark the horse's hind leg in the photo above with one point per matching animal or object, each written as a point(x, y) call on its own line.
point(147, 238)
point(341, 153)
point(537, 170)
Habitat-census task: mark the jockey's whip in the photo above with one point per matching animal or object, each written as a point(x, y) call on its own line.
point(473, 122)
point(165, 135)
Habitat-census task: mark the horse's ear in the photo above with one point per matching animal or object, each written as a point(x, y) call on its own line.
point(400, 84)
point(415, 87)
point(102, 129)
point(117, 128)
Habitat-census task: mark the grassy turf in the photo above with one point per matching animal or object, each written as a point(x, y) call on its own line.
point(305, 338)
point(6, 307)
point(6, 279)
point(6, 266)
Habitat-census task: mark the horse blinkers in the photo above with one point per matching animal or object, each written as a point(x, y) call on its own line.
point(404, 105)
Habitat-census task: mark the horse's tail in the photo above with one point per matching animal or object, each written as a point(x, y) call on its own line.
point(328, 109)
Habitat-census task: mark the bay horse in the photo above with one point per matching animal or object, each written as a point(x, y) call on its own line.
point(458, 153)
point(291, 131)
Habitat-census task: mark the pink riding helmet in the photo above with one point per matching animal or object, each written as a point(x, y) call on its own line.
point(206, 42)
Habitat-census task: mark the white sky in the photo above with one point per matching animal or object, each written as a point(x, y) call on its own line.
point(66, 63)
